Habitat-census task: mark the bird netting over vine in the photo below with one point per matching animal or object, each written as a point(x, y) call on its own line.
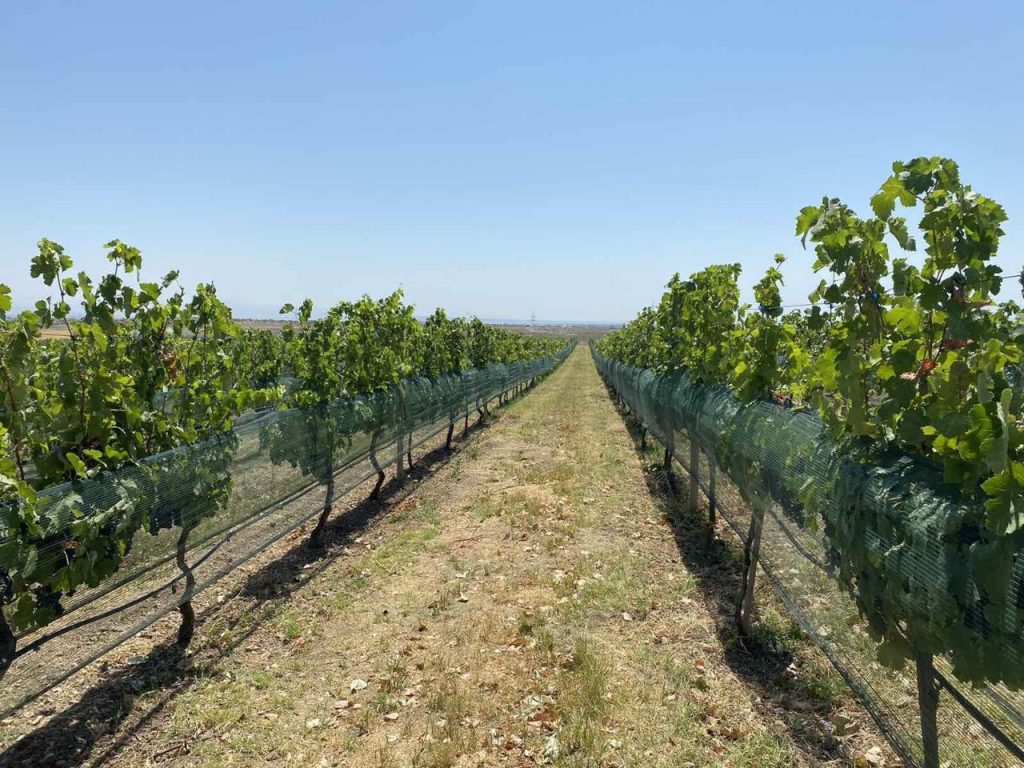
point(858, 550)
point(171, 525)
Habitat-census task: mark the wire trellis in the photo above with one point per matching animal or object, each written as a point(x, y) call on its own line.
point(268, 471)
point(715, 441)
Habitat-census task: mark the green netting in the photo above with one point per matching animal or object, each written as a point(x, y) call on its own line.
point(964, 592)
point(228, 498)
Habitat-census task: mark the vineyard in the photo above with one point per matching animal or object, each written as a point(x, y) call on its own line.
point(863, 452)
point(157, 446)
point(870, 448)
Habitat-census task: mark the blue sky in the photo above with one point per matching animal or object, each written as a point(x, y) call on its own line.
point(499, 159)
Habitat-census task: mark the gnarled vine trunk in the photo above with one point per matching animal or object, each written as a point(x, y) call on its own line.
point(751, 551)
point(316, 538)
point(376, 465)
point(187, 628)
point(399, 466)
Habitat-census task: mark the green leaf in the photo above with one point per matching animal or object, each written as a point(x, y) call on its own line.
point(150, 290)
point(77, 464)
point(1005, 503)
point(29, 567)
point(997, 456)
point(806, 220)
point(898, 228)
point(24, 614)
point(906, 319)
point(883, 202)
point(894, 650)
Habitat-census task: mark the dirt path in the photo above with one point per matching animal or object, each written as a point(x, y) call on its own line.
point(533, 601)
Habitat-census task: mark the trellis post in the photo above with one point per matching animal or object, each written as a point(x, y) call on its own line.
point(694, 473)
point(712, 497)
point(928, 704)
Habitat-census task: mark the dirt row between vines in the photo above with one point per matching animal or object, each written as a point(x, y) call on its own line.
point(525, 603)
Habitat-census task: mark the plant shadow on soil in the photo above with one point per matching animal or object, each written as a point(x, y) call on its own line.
point(70, 737)
point(764, 660)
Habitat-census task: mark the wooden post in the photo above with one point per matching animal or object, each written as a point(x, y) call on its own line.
point(402, 427)
point(928, 705)
point(694, 474)
point(712, 498)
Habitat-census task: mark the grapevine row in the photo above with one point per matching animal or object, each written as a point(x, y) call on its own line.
point(125, 427)
point(910, 371)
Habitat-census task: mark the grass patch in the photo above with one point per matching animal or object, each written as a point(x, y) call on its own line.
point(612, 587)
point(583, 706)
point(446, 596)
point(446, 739)
point(289, 625)
point(761, 750)
point(489, 506)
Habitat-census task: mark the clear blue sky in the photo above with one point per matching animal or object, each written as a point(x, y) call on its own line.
point(494, 158)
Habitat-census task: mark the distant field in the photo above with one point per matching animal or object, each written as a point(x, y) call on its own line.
point(57, 332)
point(582, 332)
